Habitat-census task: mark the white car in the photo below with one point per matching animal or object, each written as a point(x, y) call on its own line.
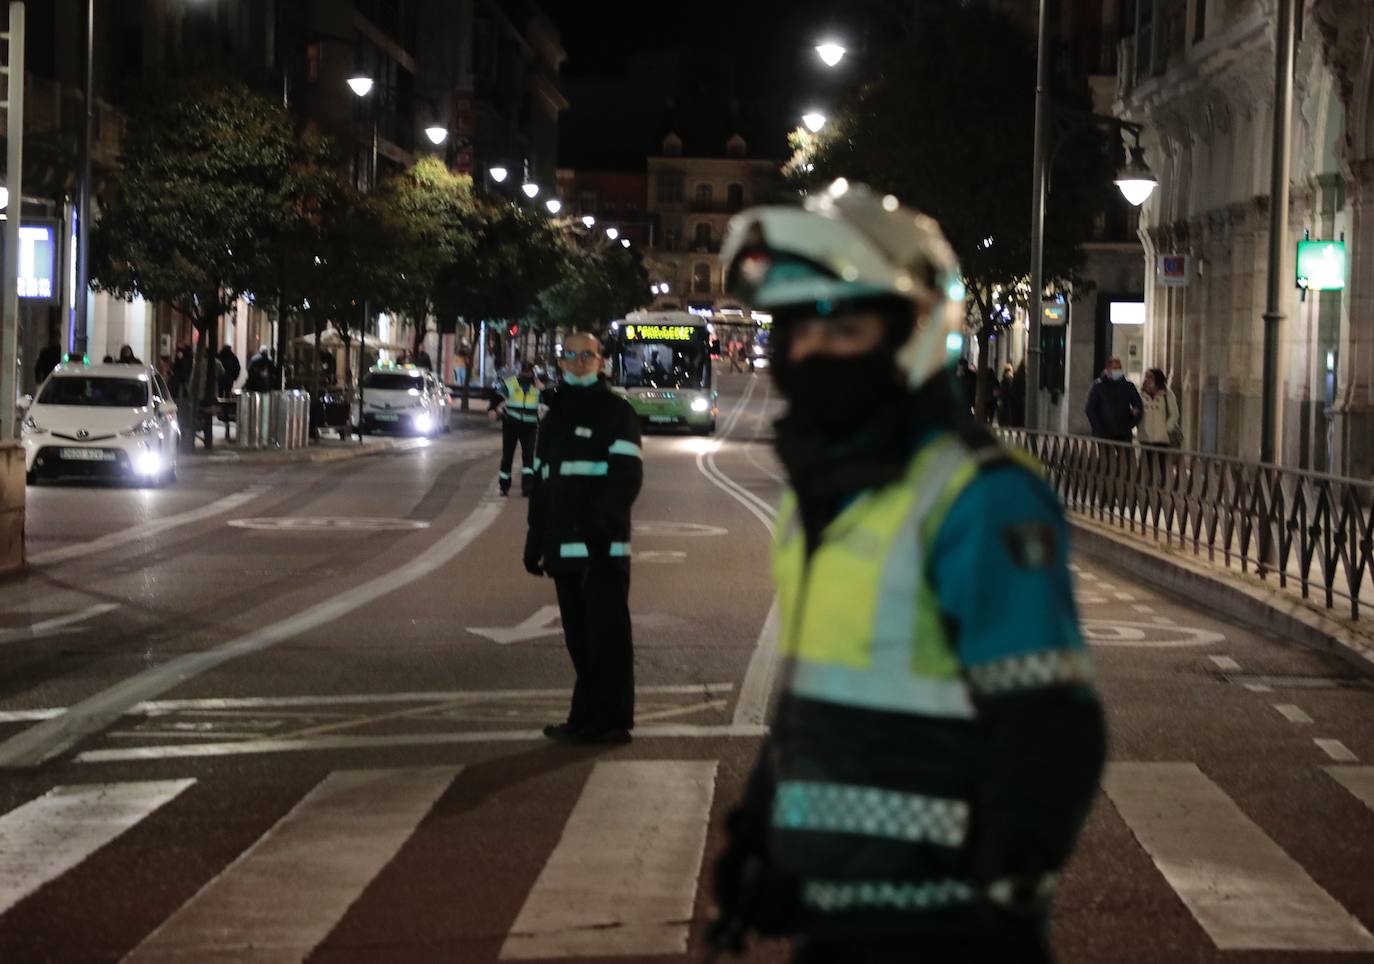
point(102, 420)
point(402, 399)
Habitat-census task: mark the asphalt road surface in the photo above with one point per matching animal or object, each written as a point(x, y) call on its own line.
point(290, 712)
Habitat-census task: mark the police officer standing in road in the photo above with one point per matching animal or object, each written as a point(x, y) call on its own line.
point(938, 742)
point(589, 470)
point(517, 405)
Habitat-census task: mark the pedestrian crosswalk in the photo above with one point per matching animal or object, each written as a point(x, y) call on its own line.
point(623, 879)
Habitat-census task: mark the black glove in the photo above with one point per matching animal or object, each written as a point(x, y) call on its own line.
point(533, 556)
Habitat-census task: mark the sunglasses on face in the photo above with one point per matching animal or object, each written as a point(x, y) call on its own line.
point(569, 355)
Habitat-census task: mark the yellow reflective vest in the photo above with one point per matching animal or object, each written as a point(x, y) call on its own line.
point(521, 405)
point(878, 748)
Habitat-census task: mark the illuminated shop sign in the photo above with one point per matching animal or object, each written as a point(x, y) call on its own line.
point(1321, 265)
point(37, 275)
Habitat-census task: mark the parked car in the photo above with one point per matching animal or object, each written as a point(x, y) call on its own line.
point(402, 399)
point(105, 421)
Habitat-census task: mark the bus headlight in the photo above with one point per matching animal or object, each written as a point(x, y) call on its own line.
point(700, 405)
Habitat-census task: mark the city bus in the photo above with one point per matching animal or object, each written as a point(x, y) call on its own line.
point(662, 365)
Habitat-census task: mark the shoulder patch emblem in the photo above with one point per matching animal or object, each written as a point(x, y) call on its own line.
point(1031, 545)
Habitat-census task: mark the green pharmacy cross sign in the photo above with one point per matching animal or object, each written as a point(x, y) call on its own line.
point(1321, 265)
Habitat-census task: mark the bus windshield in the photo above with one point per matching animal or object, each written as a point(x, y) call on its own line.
point(654, 364)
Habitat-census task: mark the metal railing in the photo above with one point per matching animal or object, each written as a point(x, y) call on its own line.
point(1302, 529)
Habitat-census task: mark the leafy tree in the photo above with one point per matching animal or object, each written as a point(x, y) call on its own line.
point(206, 173)
point(944, 119)
point(597, 285)
point(517, 254)
point(430, 222)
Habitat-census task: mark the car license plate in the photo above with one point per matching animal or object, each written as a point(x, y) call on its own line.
point(86, 455)
point(663, 418)
point(386, 418)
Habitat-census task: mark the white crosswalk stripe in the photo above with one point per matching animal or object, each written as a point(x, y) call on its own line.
point(1241, 886)
point(284, 895)
point(1358, 780)
point(47, 837)
point(623, 878)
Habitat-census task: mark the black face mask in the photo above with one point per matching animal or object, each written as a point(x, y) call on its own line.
point(834, 395)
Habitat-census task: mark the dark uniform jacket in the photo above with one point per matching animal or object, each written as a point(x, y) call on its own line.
point(1025, 765)
point(588, 471)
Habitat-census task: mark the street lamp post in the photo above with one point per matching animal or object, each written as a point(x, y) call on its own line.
point(83, 203)
point(362, 86)
point(1278, 227)
point(1134, 180)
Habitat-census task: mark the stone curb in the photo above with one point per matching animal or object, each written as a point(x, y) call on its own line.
point(1240, 597)
point(332, 453)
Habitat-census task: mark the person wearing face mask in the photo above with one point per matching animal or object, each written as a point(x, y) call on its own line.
point(937, 741)
point(1114, 406)
point(590, 469)
point(516, 404)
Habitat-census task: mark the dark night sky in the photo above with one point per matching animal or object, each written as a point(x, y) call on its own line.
point(705, 69)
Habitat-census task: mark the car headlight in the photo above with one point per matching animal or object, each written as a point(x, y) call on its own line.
point(31, 427)
point(423, 422)
point(147, 463)
point(149, 426)
point(700, 405)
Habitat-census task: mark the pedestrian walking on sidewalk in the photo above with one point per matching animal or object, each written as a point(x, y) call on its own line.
point(1160, 428)
point(1114, 407)
point(516, 404)
point(590, 468)
point(937, 743)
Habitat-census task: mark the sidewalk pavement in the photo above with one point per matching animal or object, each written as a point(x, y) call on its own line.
point(332, 449)
point(1279, 611)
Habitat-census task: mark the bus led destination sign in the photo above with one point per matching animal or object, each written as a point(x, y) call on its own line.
point(660, 332)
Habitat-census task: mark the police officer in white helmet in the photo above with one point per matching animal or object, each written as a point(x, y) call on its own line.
point(937, 742)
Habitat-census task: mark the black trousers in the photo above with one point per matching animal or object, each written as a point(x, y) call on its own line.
point(1011, 949)
point(523, 433)
point(595, 606)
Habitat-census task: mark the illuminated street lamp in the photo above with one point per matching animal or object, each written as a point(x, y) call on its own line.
point(531, 189)
point(436, 134)
point(1136, 181)
point(361, 84)
point(814, 121)
point(624, 242)
point(588, 220)
point(612, 233)
point(498, 174)
point(830, 52)
point(554, 205)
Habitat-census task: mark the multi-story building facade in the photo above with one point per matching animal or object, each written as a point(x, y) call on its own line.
point(690, 199)
point(1200, 76)
point(485, 70)
point(616, 199)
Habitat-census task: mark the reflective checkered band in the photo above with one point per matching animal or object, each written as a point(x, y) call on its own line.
point(1030, 671)
point(871, 811)
point(623, 447)
point(834, 895)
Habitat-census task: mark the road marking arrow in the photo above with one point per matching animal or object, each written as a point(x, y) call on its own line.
point(544, 622)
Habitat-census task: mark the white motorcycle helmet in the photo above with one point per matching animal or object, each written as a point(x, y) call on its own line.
point(847, 245)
